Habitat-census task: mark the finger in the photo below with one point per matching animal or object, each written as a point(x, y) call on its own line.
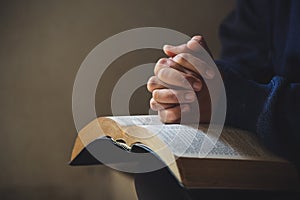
point(173, 115)
point(199, 48)
point(195, 45)
point(174, 50)
point(166, 63)
point(171, 50)
point(193, 78)
point(196, 42)
point(172, 96)
point(198, 38)
point(154, 105)
point(195, 64)
point(169, 62)
point(154, 83)
point(162, 63)
point(174, 77)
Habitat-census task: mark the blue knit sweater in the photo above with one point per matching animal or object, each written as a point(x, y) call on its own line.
point(261, 66)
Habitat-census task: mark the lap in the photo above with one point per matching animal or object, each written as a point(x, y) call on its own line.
point(162, 185)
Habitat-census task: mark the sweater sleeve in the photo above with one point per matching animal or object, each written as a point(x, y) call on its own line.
point(258, 100)
point(271, 110)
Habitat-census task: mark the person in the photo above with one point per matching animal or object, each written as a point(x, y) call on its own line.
point(260, 68)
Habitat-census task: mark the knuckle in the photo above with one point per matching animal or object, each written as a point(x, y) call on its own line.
point(172, 115)
point(155, 95)
point(180, 58)
point(151, 83)
point(165, 96)
point(158, 67)
point(163, 73)
point(171, 95)
point(153, 104)
point(162, 117)
point(152, 79)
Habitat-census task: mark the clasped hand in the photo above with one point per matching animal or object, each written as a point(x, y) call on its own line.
point(178, 87)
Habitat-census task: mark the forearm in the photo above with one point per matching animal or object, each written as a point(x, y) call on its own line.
point(270, 110)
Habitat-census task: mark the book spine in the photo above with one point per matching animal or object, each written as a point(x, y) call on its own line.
point(122, 145)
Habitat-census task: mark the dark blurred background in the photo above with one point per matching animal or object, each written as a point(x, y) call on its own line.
point(42, 44)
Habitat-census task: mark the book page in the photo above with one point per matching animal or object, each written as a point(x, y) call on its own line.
point(246, 144)
point(177, 137)
point(136, 120)
point(186, 141)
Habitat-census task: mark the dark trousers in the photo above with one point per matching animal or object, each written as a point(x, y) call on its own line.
point(161, 185)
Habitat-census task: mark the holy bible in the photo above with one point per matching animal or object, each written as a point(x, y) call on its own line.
point(236, 160)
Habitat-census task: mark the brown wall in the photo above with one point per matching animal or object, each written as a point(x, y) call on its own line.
point(42, 44)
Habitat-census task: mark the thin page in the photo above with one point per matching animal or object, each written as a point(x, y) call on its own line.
point(186, 141)
point(136, 120)
point(246, 144)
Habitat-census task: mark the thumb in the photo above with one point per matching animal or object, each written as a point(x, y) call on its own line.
point(174, 50)
point(194, 43)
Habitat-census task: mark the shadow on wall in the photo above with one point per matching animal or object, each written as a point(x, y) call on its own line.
point(42, 46)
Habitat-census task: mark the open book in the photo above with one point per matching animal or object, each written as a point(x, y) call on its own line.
point(236, 160)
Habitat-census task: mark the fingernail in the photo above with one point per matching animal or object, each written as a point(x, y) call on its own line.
point(189, 96)
point(197, 86)
point(168, 46)
point(185, 108)
point(209, 73)
point(162, 61)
